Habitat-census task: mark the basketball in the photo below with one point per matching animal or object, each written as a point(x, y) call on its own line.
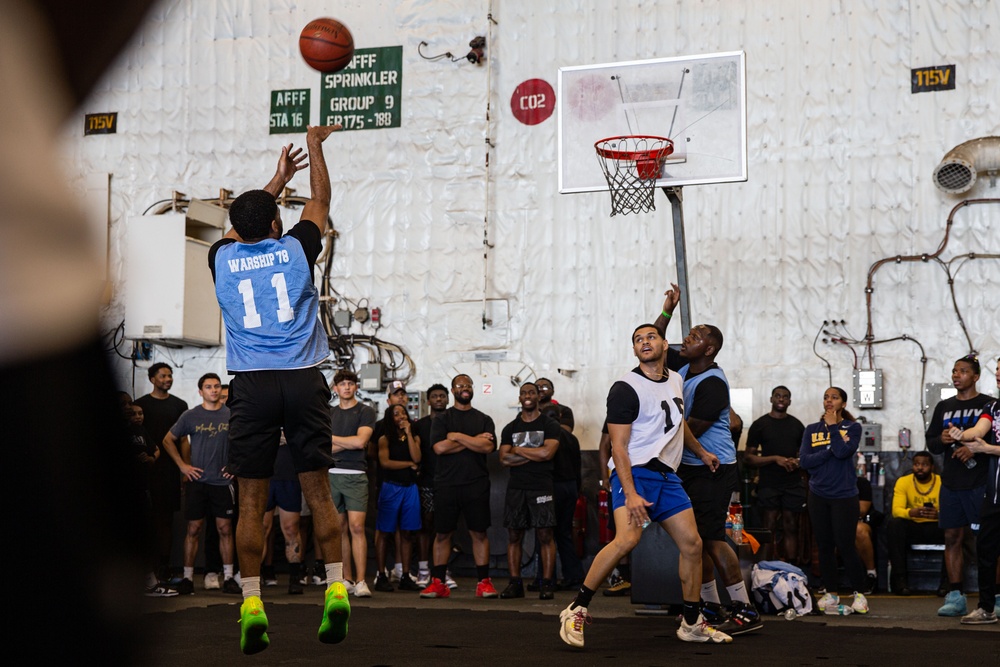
point(326, 45)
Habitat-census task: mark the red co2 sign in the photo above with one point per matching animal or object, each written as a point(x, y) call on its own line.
point(533, 101)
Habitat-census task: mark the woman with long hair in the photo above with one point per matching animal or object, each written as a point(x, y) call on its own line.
point(827, 454)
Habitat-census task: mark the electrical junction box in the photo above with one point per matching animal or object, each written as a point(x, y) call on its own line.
point(868, 388)
point(342, 319)
point(934, 393)
point(371, 377)
point(871, 437)
point(416, 404)
point(170, 296)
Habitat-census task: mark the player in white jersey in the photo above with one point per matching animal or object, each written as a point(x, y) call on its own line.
point(648, 435)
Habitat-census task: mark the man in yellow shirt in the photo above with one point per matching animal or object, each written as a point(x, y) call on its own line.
point(915, 503)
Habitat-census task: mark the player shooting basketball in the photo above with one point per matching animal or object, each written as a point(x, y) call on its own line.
point(274, 344)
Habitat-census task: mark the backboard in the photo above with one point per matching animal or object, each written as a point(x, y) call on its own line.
point(697, 101)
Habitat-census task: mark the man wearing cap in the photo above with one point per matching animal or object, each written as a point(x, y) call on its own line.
point(395, 394)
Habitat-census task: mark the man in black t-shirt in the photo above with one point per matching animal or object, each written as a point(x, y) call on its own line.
point(437, 398)
point(781, 489)
point(962, 487)
point(161, 410)
point(561, 413)
point(527, 445)
point(462, 437)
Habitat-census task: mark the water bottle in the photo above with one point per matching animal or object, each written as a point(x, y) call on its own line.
point(971, 463)
point(881, 475)
point(735, 520)
point(791, 614)
point(873, 472)
point(862, 467)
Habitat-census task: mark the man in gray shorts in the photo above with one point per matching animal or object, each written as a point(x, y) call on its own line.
point(352, 423)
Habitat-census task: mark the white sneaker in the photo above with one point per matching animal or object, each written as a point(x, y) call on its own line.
point(980, 616)
point(395, 576)
point(423, 578)
point(860, 604)
point(449, 582)
point(571, 622)
point(830, 605)
point(361, 590)
point(238, 579)
point(701, 632)
point(212, 581)
point(349, 586)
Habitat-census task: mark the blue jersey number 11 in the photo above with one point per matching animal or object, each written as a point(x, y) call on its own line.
point(251, 318)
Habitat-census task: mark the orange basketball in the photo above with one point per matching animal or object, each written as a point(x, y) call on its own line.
point(326, 45)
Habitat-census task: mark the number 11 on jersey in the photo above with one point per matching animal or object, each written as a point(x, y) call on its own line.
point(251, 318)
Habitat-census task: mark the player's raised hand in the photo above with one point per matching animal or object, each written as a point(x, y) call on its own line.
point(320, 132)
point(671, 298)
point(292, 160)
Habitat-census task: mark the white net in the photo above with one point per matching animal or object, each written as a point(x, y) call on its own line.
point(632, 165)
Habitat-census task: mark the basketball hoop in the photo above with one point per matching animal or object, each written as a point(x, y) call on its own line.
point(632, 164)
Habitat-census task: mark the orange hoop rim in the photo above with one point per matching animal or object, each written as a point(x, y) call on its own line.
point(647, 154)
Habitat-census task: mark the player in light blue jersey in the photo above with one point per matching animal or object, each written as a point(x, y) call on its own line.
point(274, 344)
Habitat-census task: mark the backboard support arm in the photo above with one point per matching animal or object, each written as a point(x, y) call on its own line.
point(676, 198)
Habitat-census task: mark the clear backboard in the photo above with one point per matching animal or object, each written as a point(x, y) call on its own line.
point(697, 101)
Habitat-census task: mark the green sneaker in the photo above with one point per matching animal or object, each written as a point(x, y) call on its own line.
point(336, 611)
point(253, 626)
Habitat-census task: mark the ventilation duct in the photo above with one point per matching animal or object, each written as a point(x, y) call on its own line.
point(957, 172)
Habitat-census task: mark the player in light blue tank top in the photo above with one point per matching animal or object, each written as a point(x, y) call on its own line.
point(274, 341)
point(717, 439)
point(269, 304)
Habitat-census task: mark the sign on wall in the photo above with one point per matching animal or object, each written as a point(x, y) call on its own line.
point(100, 123)
point(533, 101)
point(289, 111)
point(926, 79)
point(366, 94)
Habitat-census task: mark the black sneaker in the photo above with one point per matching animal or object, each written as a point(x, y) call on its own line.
point(382, 583)
point(871, 582)
point(230, 586)
point(515, 589)
point(619, 588)
point(547, 590)
point(406, 583)
point(534, 586)
point(185, 587)
point(714, 613)
point(160, 591)
point(319, 574)
point(743, 618)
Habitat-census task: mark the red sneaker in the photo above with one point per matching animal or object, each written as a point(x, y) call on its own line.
point(484, 589)
point(437, 589)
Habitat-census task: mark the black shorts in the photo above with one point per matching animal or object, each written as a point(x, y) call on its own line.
point(201, 500)
point(787, 499)
point(261, 403)
point(469, 500)
point(529, 509)
point(710, 493)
